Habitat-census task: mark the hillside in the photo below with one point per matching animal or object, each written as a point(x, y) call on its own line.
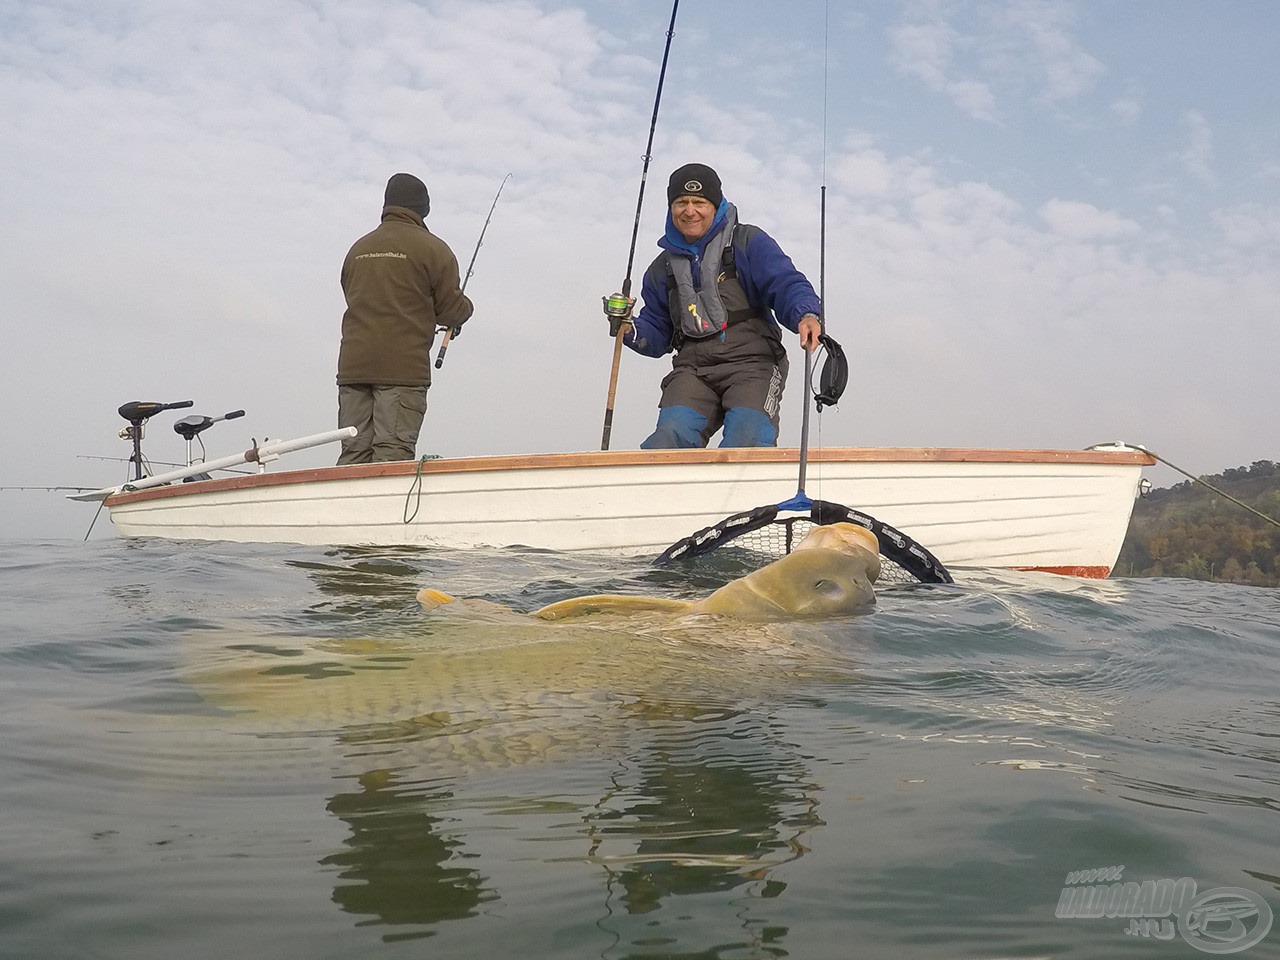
point(1188, 530)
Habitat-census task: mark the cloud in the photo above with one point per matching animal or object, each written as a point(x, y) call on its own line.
point(1249, 225)
point(977, 55)
point(1084, 221)
point(1128, 107)
point(924, 48)
point(1034, 38)
point(1197, 156)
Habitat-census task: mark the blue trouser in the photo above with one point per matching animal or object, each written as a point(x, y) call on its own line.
point(696, 402)
point(682, 426)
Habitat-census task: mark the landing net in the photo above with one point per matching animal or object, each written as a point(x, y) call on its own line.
point(766, 536)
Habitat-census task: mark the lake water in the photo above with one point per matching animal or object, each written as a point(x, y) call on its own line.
point(213, 750)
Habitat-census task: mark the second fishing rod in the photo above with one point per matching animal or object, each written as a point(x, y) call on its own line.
point(618, 307)
point(451, 332)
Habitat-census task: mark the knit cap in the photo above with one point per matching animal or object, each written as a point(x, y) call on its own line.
point(406, 190)
point(694, 180)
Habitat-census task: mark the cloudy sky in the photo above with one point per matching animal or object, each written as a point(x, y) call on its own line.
point(1049, 223)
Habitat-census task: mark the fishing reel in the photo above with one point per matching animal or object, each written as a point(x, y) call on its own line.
point(834, 376)
point(618, 309)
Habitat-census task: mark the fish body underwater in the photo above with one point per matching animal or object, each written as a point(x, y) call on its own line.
point(830, 573)
point(484, 687)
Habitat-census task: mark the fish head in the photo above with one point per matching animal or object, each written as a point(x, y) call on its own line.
point(846, 538)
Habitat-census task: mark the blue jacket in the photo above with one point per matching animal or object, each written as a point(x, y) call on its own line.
point(770, 280)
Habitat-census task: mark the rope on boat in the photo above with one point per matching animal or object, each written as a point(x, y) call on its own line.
point(1205, 483)
point(415, 491)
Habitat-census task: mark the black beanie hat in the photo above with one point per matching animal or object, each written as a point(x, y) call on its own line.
point(406, 190)
point(694, 180)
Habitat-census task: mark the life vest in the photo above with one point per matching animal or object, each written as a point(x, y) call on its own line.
point(737, 308)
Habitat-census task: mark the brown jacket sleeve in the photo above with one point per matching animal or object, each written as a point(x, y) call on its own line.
point(453, 308)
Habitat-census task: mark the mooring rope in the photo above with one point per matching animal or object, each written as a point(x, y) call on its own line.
point(415, 490)
point(1205, 483)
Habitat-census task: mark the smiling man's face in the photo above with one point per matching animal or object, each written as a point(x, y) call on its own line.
point(692, 216)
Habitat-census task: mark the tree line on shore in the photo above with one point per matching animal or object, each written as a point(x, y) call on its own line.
point(1188, 530)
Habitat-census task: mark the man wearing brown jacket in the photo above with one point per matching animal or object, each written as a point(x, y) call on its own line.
point(401, 283)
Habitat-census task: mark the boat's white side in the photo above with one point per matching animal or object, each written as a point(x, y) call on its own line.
point(1058, 510)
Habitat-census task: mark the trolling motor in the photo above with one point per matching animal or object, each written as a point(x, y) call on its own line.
point(191, 427)
point(137, 412)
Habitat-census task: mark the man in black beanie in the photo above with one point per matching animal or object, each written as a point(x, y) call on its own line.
point(718, 295)
point(401, 283)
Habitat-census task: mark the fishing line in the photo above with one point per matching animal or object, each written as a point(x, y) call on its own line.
point(619, 306)
point(822, 264)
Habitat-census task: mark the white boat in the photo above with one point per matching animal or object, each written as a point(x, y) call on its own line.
point(1064, 511)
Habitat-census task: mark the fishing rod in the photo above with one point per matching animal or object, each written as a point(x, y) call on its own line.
point(47, 488)
point(822, 325)
point(153, 463)
point(449, 333)
point(618, 307)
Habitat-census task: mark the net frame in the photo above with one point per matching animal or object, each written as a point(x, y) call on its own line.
point(903, 560)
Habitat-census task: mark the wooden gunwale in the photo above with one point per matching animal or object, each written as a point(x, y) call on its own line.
point(620, 458)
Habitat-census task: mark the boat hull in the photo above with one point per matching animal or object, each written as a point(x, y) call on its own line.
point(1065, 511)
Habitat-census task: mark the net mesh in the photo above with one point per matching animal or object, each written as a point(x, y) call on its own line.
point(774, 540)
point(761, 536)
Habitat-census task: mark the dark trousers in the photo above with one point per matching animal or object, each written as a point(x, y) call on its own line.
point(387, 419)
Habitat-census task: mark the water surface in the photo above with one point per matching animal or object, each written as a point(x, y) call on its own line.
point(212, 750)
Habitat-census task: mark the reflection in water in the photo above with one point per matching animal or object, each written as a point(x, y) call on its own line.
point(682, 785)
point(397, 867)
point(708, 810)
point(705, 802)
point(709, 813)
point(356, 581)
